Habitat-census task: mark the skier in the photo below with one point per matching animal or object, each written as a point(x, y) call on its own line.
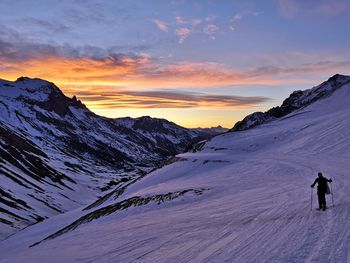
point(322, 189)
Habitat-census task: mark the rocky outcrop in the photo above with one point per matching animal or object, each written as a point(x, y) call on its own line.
point(134, 201)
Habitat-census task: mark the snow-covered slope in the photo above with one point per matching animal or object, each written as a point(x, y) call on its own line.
point(56, 155)
point(245, 197)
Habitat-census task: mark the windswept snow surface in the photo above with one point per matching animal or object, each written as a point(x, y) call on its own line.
point(256, 206)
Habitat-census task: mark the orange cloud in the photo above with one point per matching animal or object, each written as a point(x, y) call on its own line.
point(111, 76)
point(88, 65)
point(118, 98)
point(60, 70)
point(140, 72)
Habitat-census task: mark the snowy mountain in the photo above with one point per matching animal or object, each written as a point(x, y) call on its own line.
point(57, 155)
point(244, 197)
point(213, 130)
point(297, 100)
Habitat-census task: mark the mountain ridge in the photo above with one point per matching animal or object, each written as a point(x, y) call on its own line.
point(57, 154)
point(297, 100)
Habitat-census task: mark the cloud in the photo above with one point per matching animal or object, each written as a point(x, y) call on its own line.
point(197, 73)
point(105, 67)
point(333, 8)
point(179, 20)
point(82, 65)
point(161, 25)
point(14, 46)
point(165, 99)
point(196, 22)
point(210, 18)
point(183, 27)
point(210, 29)
point(197, 25)
point(66, 65)
point(49, 26)
point(325, 8)
point(306, 68)
point(10, 35)
point(89, 64)
point(183, 33)
point(239, 16)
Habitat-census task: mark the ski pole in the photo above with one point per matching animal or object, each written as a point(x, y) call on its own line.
point(312, 189)
point(332, 193)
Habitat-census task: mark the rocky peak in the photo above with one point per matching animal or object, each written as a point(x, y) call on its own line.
point(59, 103)
point(46, 95)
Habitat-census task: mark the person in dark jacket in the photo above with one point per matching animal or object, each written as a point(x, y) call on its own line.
point(321, 190)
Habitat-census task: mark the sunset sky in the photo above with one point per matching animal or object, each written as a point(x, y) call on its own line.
point(197, 63)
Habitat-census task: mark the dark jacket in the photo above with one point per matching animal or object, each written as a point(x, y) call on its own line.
point(321, 184)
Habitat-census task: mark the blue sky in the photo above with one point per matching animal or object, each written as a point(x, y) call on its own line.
point(211, 61)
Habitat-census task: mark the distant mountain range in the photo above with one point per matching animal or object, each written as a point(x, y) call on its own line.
point(55, 154)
